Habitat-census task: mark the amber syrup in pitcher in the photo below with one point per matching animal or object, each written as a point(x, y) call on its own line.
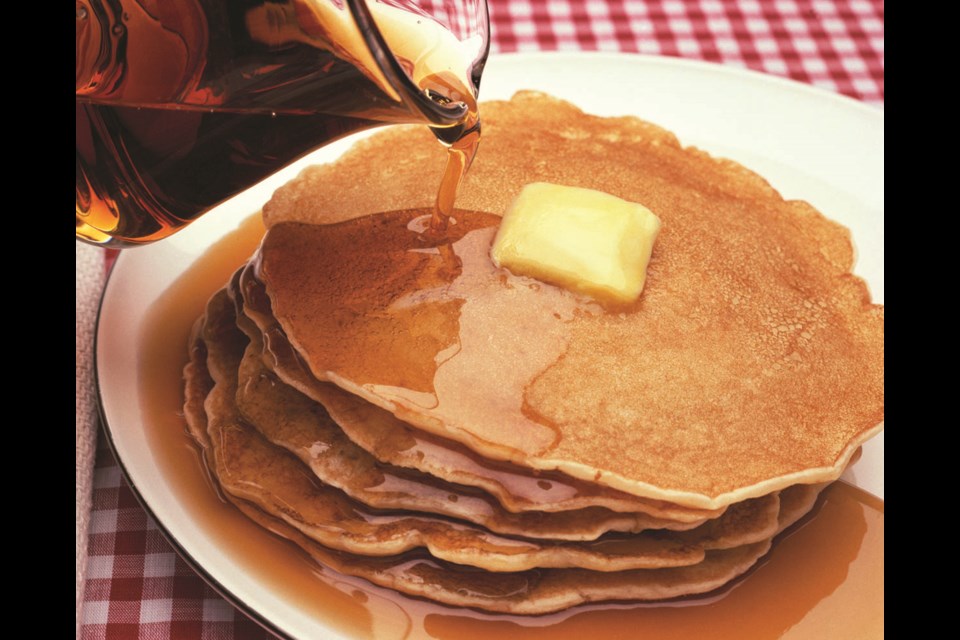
point(184, 103)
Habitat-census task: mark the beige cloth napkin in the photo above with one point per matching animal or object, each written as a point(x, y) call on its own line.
point(90, 279)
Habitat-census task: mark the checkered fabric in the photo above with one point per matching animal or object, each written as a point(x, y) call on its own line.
point(834, 44)
point(137, 587)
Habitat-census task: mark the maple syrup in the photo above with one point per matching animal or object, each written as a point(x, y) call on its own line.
point(823, 578)
point(185, 103)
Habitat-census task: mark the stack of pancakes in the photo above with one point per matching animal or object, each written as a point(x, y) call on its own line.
point(406, 412)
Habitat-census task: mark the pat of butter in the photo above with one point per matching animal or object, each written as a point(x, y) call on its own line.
point(584, 240)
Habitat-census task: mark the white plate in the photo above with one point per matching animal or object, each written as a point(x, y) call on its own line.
point(808, 143)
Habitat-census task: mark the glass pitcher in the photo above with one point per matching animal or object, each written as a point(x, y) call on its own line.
point(184, 103)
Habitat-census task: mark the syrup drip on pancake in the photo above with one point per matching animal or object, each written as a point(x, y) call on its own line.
point(409, 316)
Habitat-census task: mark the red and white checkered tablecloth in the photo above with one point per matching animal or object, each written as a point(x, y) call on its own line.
point(137, 586)
point(834, 44)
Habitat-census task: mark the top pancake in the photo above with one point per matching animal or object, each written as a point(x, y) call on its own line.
point(752, 361)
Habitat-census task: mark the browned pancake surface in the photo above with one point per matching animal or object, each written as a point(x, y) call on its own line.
point(753, 359)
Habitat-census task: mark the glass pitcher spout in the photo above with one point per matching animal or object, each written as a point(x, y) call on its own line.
point(183, 103)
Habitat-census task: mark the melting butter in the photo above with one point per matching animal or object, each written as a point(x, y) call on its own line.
point(580, 239)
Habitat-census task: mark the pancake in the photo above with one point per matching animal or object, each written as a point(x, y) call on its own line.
point(753, 360)
point(197, 386)
point(796, 502)
point(288, 419)
point(394, 442)
point(528, 592)
point(534, 592)
point(250, 469)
